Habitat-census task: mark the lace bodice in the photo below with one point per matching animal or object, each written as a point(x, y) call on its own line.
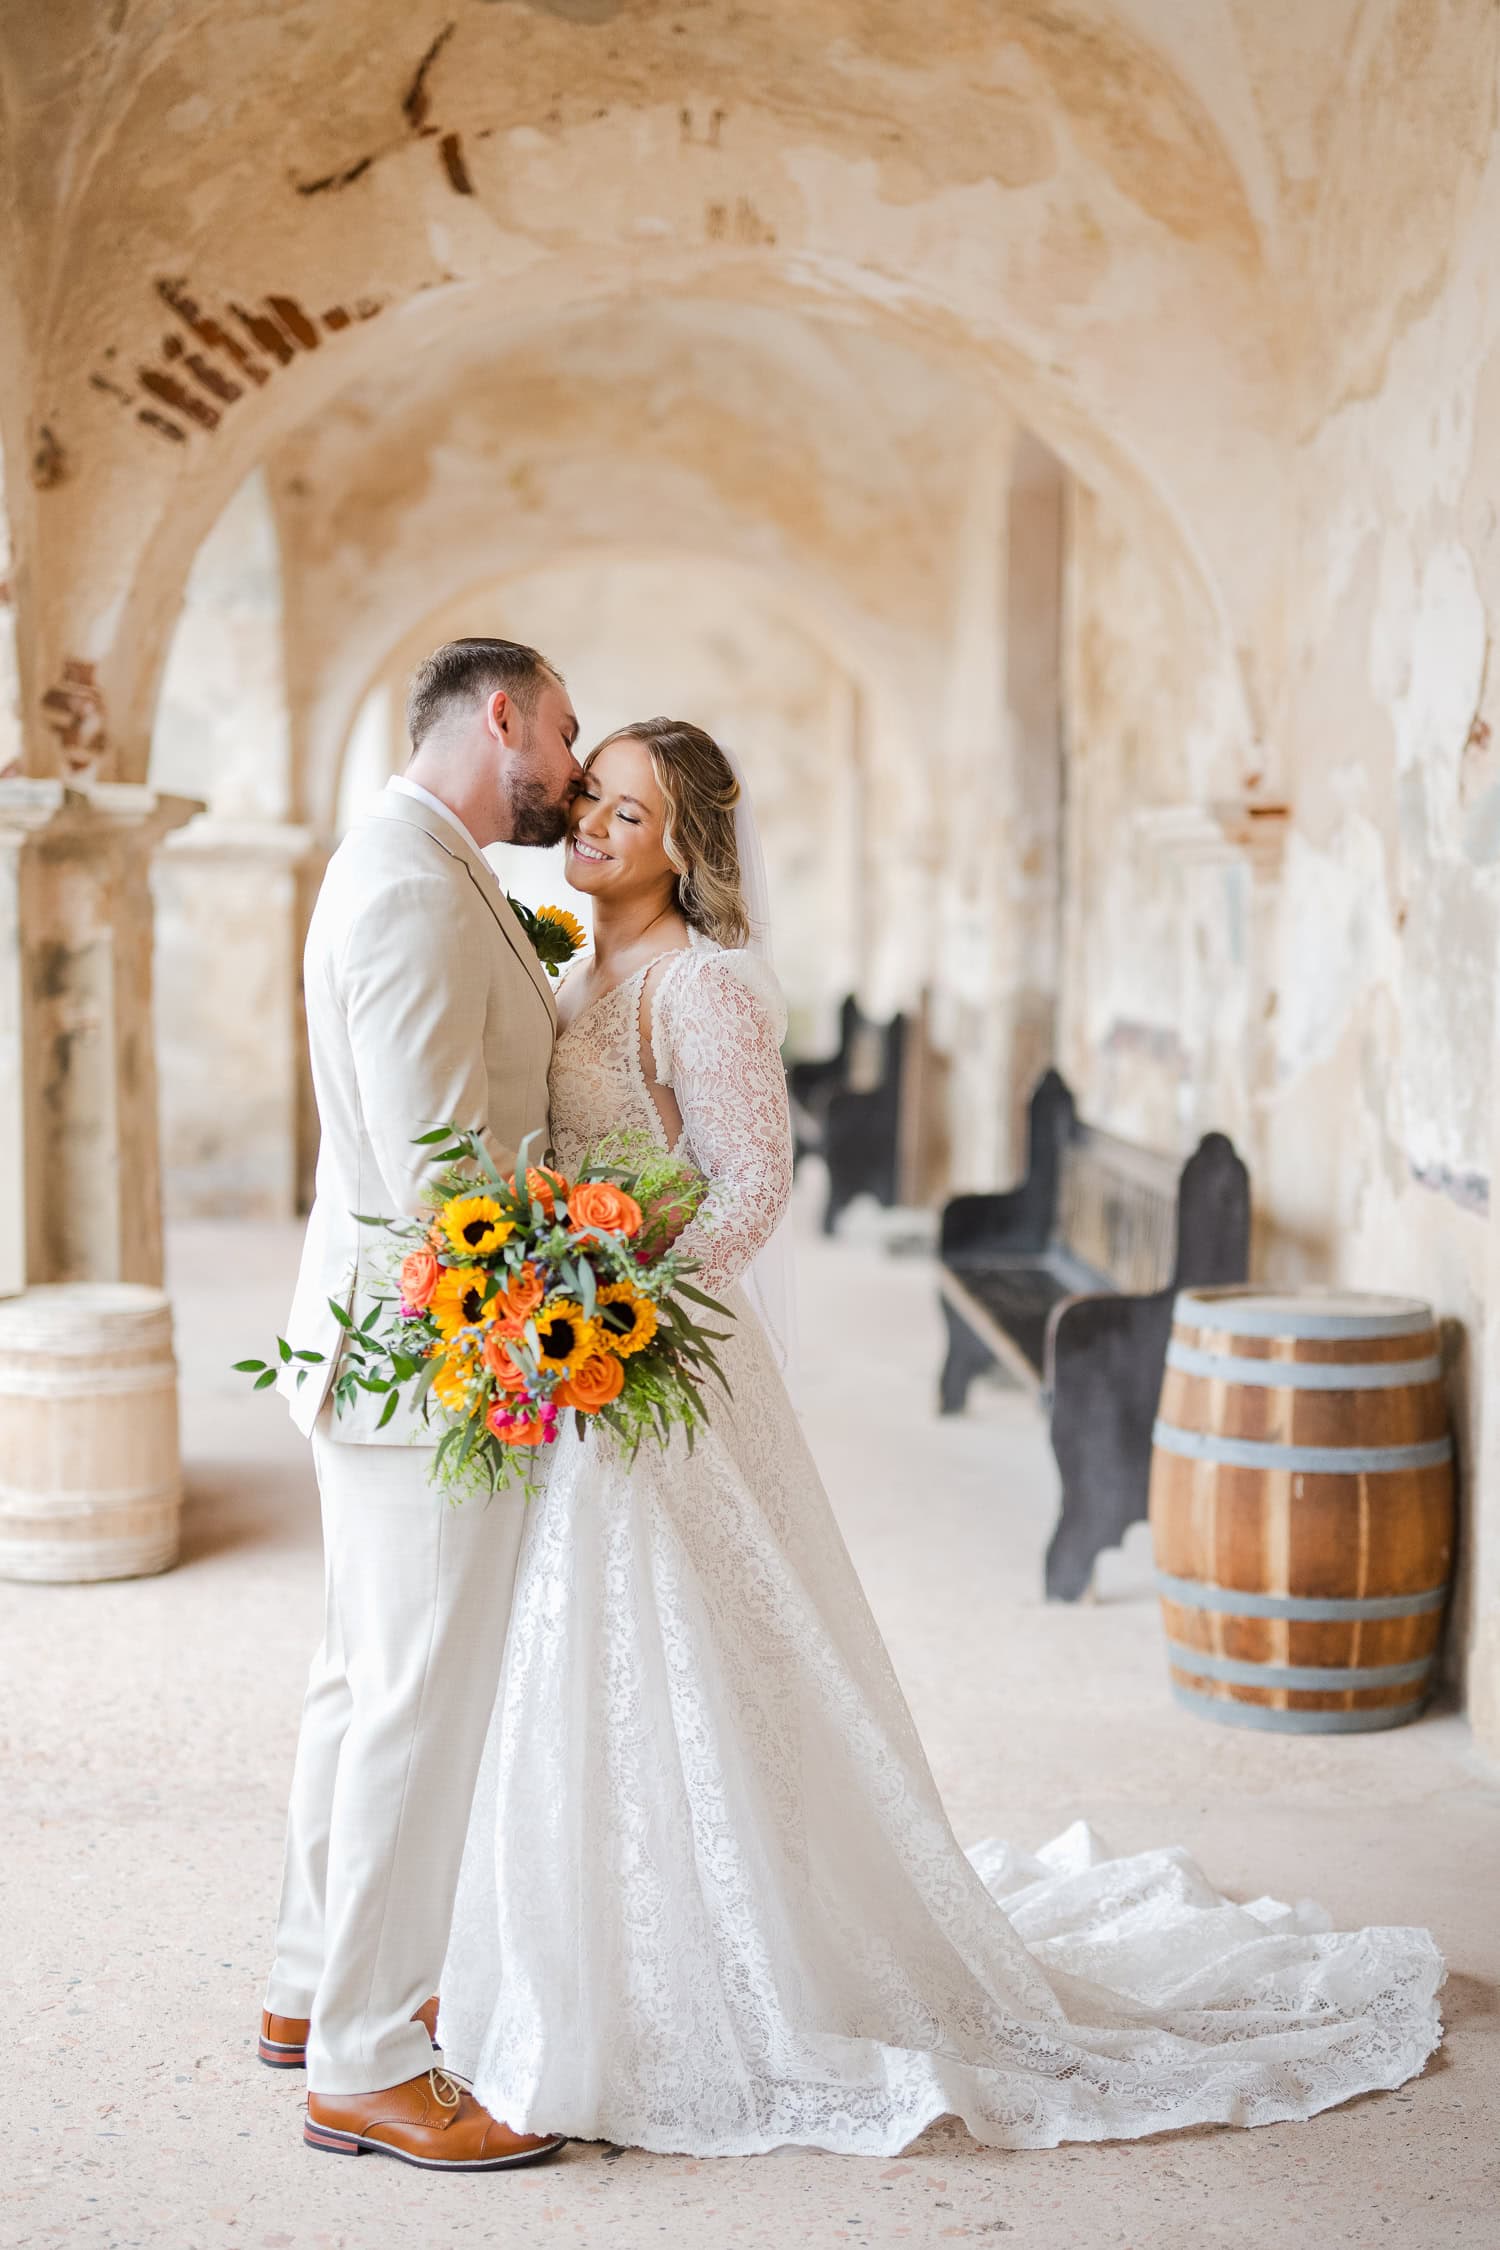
point(716, 1026)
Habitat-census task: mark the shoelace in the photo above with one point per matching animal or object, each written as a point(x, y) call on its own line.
point(444, 2088)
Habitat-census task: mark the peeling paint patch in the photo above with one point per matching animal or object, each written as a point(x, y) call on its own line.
point(1469, 1190)
point(264, 331)
point(332, 181)
point(75, 715)
point(189, 383)
point(450, 149)
point(416, 103)
point(209, 331)
point(49, 462)
point(172, 393)
point(742, 224)
point(213, 380)
point(295, 322)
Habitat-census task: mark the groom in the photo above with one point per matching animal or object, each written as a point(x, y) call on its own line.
point(426, 1005)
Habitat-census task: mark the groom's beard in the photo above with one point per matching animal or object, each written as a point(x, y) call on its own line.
point(534, 818)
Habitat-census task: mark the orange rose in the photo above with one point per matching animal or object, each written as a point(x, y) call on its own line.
point(599, 1379)
point(420, 1272)
point(520, 1296)
point(498, 1361)
point(599, 1204)
point(543, 1188)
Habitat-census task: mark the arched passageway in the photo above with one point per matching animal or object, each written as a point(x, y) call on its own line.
point(799, 296)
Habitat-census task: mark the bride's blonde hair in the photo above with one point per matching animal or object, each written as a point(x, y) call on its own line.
point(697, 782)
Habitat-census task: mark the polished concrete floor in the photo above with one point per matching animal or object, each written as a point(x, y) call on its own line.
point(148, 1732)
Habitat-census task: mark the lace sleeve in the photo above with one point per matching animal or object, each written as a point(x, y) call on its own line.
point(717, 1039)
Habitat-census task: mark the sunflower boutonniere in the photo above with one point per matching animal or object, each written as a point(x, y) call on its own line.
point(556, 934)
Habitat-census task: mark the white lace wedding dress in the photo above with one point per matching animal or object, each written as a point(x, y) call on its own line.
point(710, 1901)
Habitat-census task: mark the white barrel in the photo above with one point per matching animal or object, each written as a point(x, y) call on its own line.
point(90, 1468)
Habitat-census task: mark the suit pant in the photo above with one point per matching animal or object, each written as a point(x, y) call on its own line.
point(398, 1702)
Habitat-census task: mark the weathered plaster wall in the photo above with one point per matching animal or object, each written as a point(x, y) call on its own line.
point(227, 887)
point(1154, 980)
point(1330, 999)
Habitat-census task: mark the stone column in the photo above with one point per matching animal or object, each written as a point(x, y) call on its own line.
point(1482, 1500)
point(79, 1171)
point(230, 923)
point(1029, 848)
point(970, 1020)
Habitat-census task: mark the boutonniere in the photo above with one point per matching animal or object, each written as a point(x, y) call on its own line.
point(555, 934)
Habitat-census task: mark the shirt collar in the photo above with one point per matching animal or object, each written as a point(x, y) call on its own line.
point(425, 797)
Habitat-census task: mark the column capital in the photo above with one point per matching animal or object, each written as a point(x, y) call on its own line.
point(278, 842)
point(34, 808)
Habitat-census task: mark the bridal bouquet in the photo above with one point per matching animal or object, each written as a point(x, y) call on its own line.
point(525, 1299)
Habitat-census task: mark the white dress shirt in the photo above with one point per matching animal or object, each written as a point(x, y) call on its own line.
point(435, 804)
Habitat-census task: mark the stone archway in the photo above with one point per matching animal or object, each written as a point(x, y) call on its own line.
point(1236, 275)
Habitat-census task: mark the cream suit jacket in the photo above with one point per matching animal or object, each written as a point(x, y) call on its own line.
point(426, 1005)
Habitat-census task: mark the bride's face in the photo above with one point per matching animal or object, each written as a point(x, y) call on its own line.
point(615, 827)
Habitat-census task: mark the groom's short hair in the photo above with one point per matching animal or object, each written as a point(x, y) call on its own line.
point(463, 671)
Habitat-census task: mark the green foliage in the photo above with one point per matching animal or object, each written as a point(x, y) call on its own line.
point(553, 947)
point(389, 1353)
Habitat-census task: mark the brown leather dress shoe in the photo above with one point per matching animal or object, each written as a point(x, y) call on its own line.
point(283, 2039)
point(430, 2122)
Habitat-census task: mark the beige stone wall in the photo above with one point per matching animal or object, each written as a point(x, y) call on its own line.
point(227, 888)
point(720, 647)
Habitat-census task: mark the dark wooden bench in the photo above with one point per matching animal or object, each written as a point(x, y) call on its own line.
point(847, 1108)
point(1066, 1283)
point(813, 1081)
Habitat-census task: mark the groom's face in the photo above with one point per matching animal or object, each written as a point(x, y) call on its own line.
point(541, 775)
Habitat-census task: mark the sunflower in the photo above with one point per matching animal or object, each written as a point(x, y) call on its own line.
point(627, 1320)
point(474, 1226)
point(555, 934)
point(458, 1300)
point(457, 1369)
point(572, 929)
point(564, 1338)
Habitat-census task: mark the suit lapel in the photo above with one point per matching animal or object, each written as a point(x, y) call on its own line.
point(396, 805)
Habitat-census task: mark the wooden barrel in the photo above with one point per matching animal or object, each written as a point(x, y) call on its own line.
point(90, 1474)
point(1302, 1508)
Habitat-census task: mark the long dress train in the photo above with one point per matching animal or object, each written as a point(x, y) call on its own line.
point(710, 1901)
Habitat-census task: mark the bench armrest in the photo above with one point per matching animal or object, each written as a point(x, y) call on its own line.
point(980, 1225)
point(1110, 1338)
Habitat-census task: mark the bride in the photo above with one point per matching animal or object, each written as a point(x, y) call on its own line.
point(710, 1900)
